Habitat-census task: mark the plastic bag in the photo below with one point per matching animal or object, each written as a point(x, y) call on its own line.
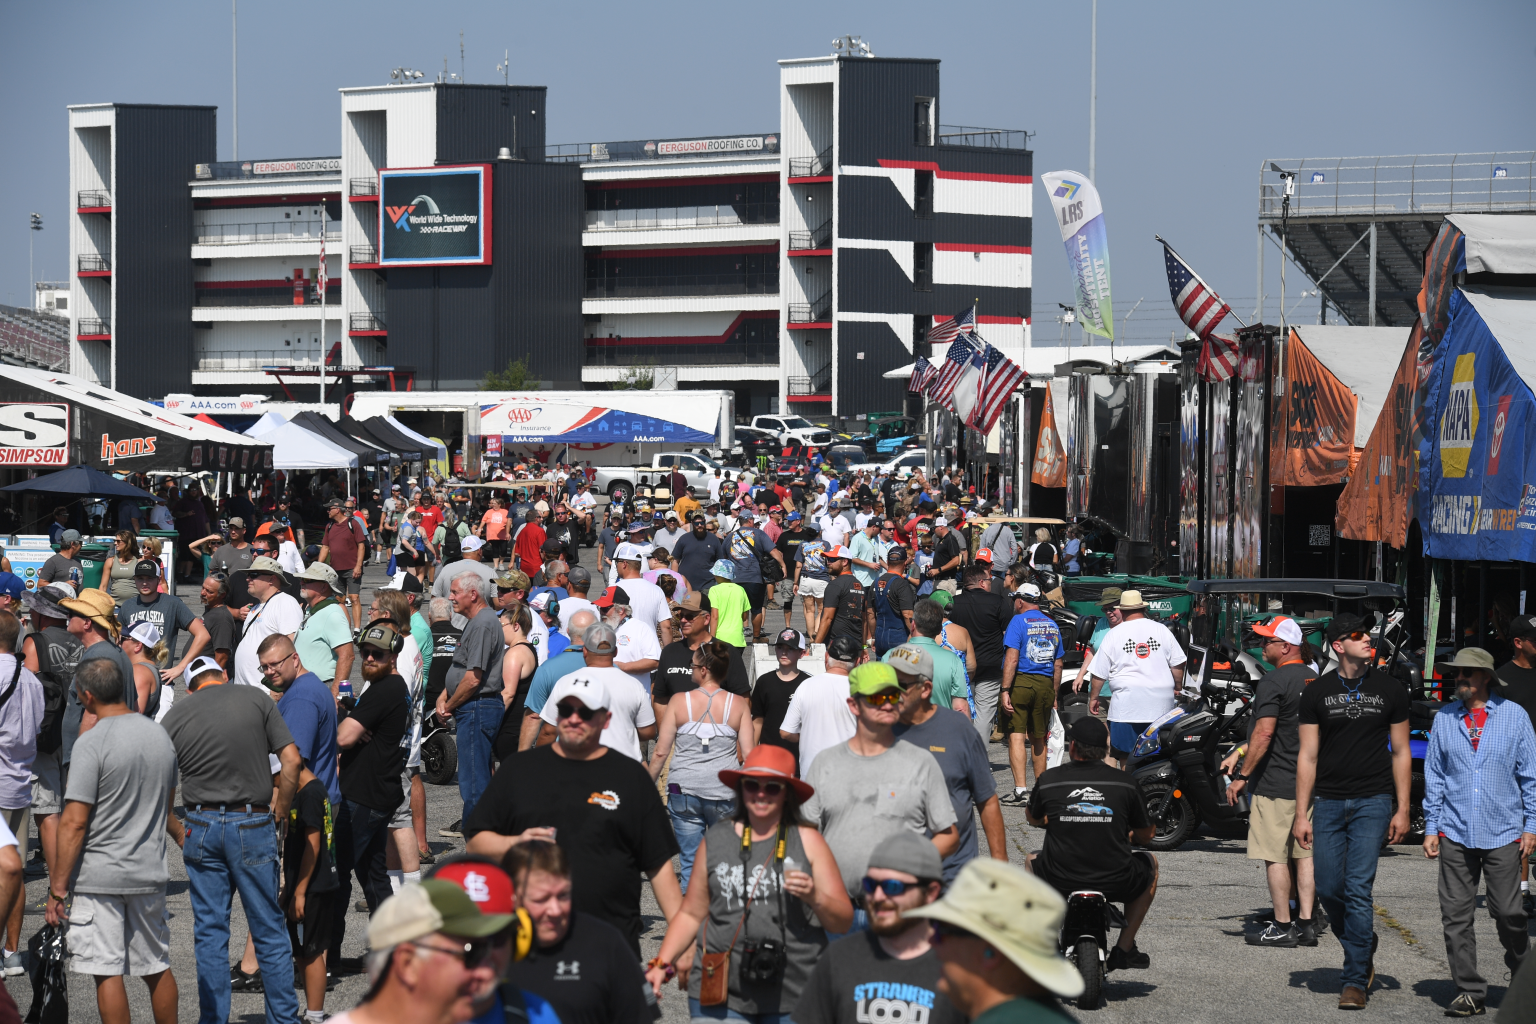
point(50, 985)
point(1055, 741)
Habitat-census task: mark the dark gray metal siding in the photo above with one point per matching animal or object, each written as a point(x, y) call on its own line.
point(869, 281)
point(453, 324)
point(870, 207)
point(156, 150)
point(475, 121)
point(875, 107)
point(859, 382)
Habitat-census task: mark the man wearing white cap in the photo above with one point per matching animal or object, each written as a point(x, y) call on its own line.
point(1144, 665)
point(631, 717)
point(274, 612)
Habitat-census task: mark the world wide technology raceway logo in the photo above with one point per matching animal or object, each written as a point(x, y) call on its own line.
point(400, 216)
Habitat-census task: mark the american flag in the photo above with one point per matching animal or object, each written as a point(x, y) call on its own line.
point(944, 331)
point(942, 390)
point(1003, 376)
point(320, 277)
point(1202, 310)
point(922, 373)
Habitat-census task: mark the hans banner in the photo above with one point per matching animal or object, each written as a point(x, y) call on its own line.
point(1477, 460)
point(1080, 216)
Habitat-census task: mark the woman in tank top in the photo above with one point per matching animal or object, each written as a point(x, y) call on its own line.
point(145, 649)
point(520, 662)
point(117, 573)
point(712, 732)
point(767, 878)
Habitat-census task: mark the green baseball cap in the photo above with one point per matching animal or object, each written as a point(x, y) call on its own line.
point(872, 677)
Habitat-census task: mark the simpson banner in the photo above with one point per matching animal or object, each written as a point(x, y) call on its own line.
point(1080, 216)
point(1477, 461)
point(1312, 437)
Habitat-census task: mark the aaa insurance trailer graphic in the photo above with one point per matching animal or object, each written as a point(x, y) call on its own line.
point(521, 422)
point(435, 216)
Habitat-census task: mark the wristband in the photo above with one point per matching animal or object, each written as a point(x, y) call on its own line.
point(55, 896)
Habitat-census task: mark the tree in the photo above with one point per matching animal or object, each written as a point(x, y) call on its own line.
point(642, 378)
point(513, 378)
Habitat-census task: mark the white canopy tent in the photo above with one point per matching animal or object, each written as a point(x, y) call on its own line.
point(1498, 243)
point(293, 447)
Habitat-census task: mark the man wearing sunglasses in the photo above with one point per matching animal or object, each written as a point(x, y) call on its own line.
point(274, 612)
point(894, 956)
point(858, 803)
point(1353, 765)
point(1479, 822)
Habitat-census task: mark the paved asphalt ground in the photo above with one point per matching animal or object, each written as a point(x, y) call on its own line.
point(1201, 968)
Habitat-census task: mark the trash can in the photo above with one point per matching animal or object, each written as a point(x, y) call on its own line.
point(93, 559)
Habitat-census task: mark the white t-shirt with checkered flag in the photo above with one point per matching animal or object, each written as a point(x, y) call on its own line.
point(1138, 657)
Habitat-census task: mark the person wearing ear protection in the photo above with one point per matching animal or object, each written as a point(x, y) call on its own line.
point(373, 750)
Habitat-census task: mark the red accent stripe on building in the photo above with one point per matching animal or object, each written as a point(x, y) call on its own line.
point(1000, 320)
point(713, 179)
point(969, 247)
point(94, 337)
point(687, 339)
point(306, 199)
point(929, 165)
point(94, 209)
point(809, 398)
point(810, 179)
point(726, 250)
point(810, 252)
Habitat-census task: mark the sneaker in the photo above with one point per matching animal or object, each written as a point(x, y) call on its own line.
point(15, 964)
point(1280, 936)
point(239, 981)
point(452, 831)
point(1120, 959)
point(1015, 798)
point(1319, 916)
point(1306, 932)
point(1352, 998)
point(426, 856)
point(1465, 1005)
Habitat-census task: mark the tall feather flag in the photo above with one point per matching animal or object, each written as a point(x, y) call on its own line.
point(1202, 311)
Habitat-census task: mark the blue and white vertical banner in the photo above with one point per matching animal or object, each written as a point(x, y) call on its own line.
point(1080, 216)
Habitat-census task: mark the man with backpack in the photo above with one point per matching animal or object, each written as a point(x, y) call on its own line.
point(758, 563)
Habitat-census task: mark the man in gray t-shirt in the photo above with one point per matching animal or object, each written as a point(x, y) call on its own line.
point(872, 785)
point(472, 689)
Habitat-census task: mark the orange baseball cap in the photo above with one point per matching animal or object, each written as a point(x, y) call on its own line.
point(1281, 628)
point(984, 555)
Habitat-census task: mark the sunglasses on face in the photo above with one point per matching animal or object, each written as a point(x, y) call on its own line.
point(890, 886)
point(581, 711)
point(943, 930)
point(881, 700)
point(1357, 635)
point(689, 616)
point(752, 787)
point(470, 954)
point(1468, 673)
point(373, 654)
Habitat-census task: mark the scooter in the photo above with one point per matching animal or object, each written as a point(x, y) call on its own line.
point(439, 750)
point(1176, 761)
point(1085, 941)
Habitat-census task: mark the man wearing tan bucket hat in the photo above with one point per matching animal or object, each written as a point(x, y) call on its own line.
point(995, 933)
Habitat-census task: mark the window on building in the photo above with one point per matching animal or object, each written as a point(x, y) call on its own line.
point(921, 346)
point(922, 121)
point(922, 267)
point(922, 200)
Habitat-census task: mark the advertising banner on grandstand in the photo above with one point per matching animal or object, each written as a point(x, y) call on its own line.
point(1477, 461)
point(1080, 216)
point(525, 421)
point(435, 216)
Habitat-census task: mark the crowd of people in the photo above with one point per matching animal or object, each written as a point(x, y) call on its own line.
point(824, 845)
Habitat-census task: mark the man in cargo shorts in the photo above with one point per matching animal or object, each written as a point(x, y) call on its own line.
point(1268, 775)
point(1032, 663)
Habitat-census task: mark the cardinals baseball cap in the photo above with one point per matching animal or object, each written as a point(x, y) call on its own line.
point(482, 881)
point(1281, 628)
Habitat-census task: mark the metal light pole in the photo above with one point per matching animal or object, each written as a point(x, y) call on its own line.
point(37, 225)
point(234, 74)
point(1093, 96)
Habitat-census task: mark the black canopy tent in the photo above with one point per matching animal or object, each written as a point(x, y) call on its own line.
point(407, 452)
point(408, 447)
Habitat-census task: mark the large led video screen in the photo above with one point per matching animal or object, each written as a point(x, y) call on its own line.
point(435, 216)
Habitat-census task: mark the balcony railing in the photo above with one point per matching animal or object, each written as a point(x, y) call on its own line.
point(818, 238)
point(94, 263)
point(763, 352)
point(982, 138)
point(264, 231)
point(816, 312)
point(92, 325)
point(94, 200)
point(811, 166)
point(642, 286)
point(364, 322)
point(723, 215)
point(819, 383)
point(363, 254)
point(256, 359)
point(363, 187)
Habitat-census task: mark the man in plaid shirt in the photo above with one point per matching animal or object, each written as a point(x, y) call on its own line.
point(1479, 818)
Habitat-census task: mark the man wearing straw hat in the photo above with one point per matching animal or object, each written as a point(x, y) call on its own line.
point(995, 935)
point(1144, 665)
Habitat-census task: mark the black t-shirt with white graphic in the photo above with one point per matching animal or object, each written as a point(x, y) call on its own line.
point(608, 818)
point(1090, 811)
point(844, 601)
point(589, 977)
point(675, 674)
point(1354, 723)
point(856, 982)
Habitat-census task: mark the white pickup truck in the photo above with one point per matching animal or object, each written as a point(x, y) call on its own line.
point(619, 482)
point(794, 430)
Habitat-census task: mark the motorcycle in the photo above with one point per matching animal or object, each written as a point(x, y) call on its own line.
point(1085, 941)
point(1176, 761)
point(439, 750)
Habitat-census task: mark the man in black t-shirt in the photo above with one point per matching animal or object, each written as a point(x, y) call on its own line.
point(846, 608)
point(774, 690)
point(675, 673)
point(600, 806)
point(309, 886)
point(946, 556)
point(1092, 814)
point(374, 743)
point(985, 616)
point(796, 532)
point(1354, 765)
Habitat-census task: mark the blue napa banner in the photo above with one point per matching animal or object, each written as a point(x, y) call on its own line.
point(1477, 461)
point(1080, 216)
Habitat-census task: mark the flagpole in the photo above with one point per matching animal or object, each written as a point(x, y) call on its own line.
point(324, 284)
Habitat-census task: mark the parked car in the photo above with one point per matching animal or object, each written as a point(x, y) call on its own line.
point(911, 458)
point(794, 430)
point(888, 433)
point(619, 482)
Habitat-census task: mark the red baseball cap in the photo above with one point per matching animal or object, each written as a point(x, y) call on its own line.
point(486, 884)
point(984, 555)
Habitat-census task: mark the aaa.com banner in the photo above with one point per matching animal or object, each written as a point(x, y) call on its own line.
point(1080, 216)
point(521, 421)
point(1477, 461)
point(1312, 438)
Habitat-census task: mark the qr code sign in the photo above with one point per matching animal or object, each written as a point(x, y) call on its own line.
point(1319, 536)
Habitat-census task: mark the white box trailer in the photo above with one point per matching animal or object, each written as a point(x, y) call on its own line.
point(605, 428)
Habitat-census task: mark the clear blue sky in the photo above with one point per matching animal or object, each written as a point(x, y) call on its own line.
point(1192, 96)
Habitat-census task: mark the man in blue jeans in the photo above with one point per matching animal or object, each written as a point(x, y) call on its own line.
point(223, 735)
point(1355, 762)
point(472, 689)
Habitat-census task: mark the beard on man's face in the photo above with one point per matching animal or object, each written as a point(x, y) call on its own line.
point(373, 671)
